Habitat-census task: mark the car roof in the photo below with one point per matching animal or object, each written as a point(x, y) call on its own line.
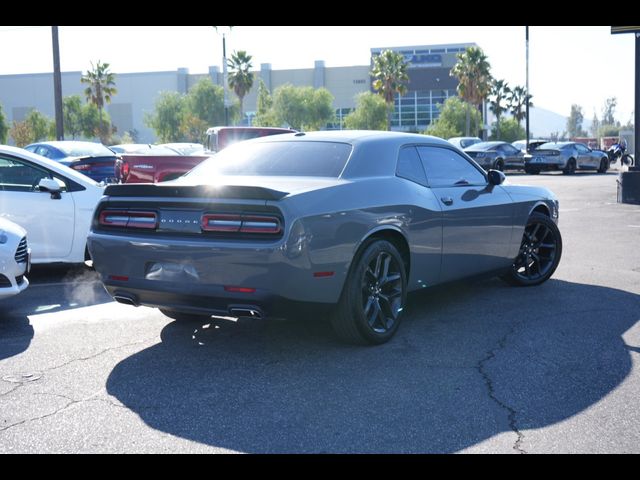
point(354, 137)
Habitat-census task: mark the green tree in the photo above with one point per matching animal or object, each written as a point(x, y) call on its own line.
point(510, 130)
point(574, 122)
point(192, 128)
point(72, 114)
point(206, 102)
point(264, 115)
point(609, 111)
point(21, 133)
point(240, 77)
point(101, 88)
point(473, 72)
point(94, 124)
point(302, 108)
point(390, 75)
point(500, 92)
point(167, 117)
point(453, 119)
point(4, 128)
point(517, 102)
point(40, 125)
point(370, 113)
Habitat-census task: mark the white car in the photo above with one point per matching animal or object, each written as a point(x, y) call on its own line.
point(52, 202)
point(14, 259)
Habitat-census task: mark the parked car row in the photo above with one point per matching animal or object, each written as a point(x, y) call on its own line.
point(567, 157)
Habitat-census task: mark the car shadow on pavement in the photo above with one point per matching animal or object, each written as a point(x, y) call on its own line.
point(470, 362)
point(15, 334)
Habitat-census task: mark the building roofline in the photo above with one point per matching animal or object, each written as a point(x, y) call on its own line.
point(425, 47)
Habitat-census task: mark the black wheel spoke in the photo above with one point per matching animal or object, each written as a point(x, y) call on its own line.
point(374, 313)
point(390, 278)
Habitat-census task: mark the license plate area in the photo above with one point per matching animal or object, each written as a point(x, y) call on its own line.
point(185, 221)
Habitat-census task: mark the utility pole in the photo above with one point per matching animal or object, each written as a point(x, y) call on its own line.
point(57, 84)
point(225, 79)
point(526, 98)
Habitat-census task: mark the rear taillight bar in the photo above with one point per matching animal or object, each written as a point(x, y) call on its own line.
point(128, 219)
point(220, 222)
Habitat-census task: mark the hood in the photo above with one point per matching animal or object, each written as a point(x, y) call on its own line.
point(8, 227)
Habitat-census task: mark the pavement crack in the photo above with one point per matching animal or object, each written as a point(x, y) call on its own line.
point(91, 357)
point(511, 412)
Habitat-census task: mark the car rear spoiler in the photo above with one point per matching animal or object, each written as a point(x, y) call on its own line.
point(184, 191)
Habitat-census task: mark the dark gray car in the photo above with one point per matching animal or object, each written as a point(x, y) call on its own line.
point(347, 220)
point(497, 155)
point(565, 156)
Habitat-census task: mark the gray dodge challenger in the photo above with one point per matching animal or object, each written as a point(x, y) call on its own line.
point(349, 220)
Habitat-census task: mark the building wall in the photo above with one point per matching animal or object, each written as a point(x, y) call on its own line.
point(430, 84)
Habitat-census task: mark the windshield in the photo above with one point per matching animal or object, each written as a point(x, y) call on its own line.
point(290, 159)
point(84, 150)
point(552, 146)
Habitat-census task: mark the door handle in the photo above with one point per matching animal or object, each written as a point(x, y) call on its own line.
point(447, 200)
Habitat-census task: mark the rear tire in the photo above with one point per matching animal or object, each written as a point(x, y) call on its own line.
point(604, 165)
point(539, 255)
point(184, 317)
point(570, 169)
point(373, 297)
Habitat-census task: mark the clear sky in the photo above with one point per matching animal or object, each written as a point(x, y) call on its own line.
point(582, 65)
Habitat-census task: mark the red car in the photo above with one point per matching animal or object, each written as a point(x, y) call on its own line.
point(154, 168)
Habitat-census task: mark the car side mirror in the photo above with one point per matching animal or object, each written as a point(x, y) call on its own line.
point(496, 177)
point(52, 186)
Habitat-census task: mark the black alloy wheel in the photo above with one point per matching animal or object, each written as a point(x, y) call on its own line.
point(499, 165)
point(604, 165)
point(373, 298)
point(539, 254)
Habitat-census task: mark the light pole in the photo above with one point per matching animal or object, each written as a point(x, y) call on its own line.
point(526, 97)
point(57, 84)
point(225, 77)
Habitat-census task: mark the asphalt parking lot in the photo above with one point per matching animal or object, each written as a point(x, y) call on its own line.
point(480, 367)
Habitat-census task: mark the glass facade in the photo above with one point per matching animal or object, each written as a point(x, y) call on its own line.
point(415, 111)
point(341, 113)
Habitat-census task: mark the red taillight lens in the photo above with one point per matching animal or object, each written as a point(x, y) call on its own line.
point(221, 222)
point(260, 224)
point(125, 219)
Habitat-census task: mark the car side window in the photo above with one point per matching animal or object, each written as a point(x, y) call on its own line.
point(44, 151)
point(446, 168)
point(582, 148)
point(410, 166)
point(510, 149)
point(18, 176)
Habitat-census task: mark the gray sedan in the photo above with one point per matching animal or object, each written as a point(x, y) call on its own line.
point(565, 156)
point(347, 221)
point(497, 155)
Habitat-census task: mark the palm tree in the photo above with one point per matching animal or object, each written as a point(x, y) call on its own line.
point(101, 86)
point(389, 72)
point(517, 103)
point(500, 92)
point(473, 71)
point(240, 78)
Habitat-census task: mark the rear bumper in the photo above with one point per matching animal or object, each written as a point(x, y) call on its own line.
point(203, 276)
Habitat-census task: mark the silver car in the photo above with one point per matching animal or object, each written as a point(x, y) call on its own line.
point(349, 221)
point(566, 156)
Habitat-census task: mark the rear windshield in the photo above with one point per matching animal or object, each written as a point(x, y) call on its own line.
point(289, 159)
